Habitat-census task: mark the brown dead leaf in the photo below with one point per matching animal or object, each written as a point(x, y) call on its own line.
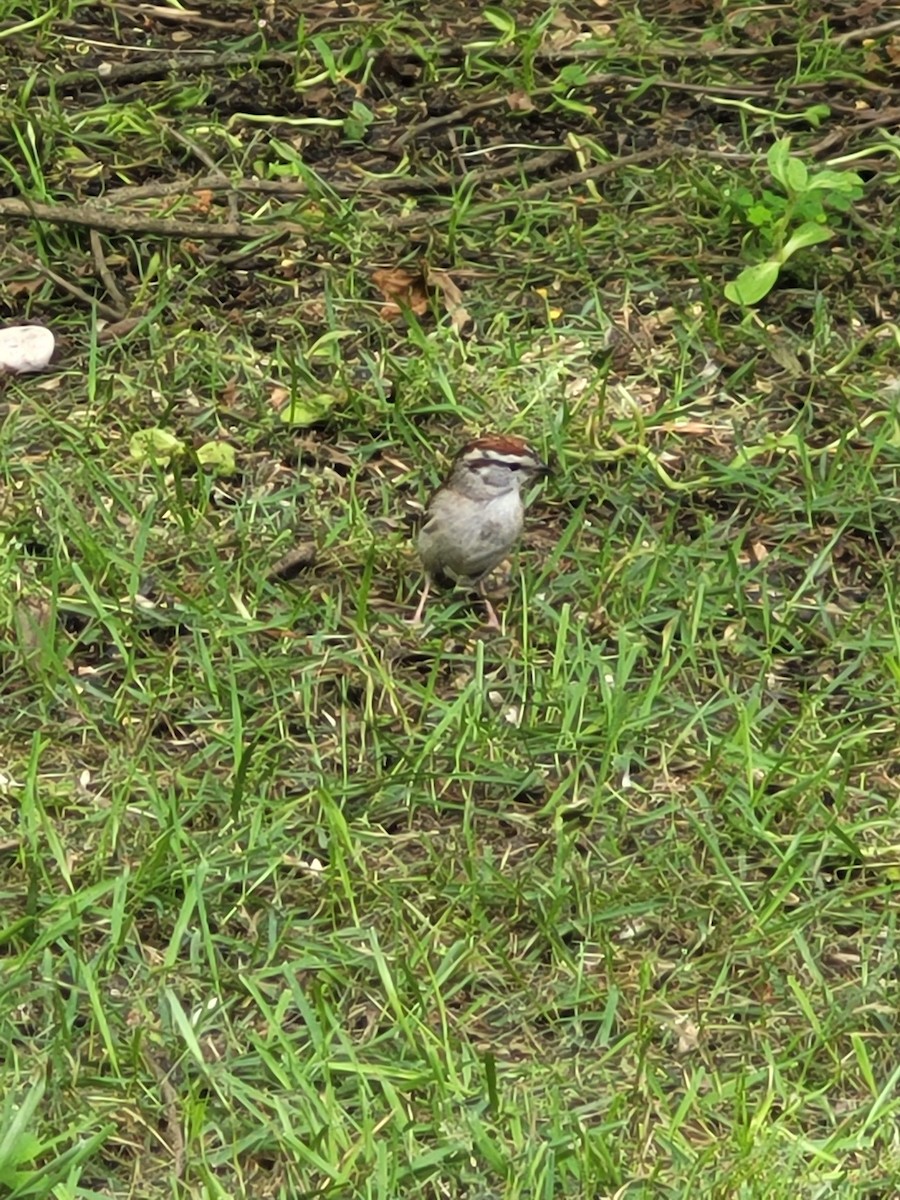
point(755, 553)
point(452, 297)
point(24, 287)
point(520, 102)
point(229, 393)
point(278, 397)
point(561, 33)
point(688, 1034)
point(401, 289)
point(202, 201)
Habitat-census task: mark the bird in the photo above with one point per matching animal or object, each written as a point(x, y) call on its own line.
point(476, 516)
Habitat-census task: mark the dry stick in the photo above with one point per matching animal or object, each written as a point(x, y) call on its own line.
point(182, 15)
point(711, 90)
point(110, 222)
point(73, 289)
point(106, 275)
point(707, 91)
point(597, 171)
point(537, 190)
point(289, 189)
point(864, 34)
point(889, 116)
point(282, 188)
point(458, 114)
point(204, 183)
point(141, 72)
point(95, 218)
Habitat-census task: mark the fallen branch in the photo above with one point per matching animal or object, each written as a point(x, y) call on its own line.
point(143, 72)
point(286, 189)
point(35, 264)
point(546, 187)
point(110, 222)
point(107, 220)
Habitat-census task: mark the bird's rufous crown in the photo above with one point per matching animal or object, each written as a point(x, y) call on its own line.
point(500, 443)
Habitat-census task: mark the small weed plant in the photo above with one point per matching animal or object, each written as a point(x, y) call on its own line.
point(783, 224)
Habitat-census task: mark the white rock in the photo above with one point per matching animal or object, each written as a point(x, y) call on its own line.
point(25, 348)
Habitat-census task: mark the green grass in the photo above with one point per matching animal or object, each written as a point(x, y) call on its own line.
point(296, 901)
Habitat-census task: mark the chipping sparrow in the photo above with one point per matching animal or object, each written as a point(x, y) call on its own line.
point(475, 518)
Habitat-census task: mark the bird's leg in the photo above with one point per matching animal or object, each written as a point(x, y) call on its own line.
point(417, 619)
point(492, 619)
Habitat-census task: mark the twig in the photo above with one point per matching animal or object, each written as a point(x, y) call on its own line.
point(537, 190)
point(27, 260)
point(106, 275)
point(710, 91)
point(142, 72)
point(597, 171)
point(489, 175)
point(458, 114)
point(108, 222)
point(183, 16)
point(283, 188)
point(888, 116)
point(288, 189)
point(864, 34)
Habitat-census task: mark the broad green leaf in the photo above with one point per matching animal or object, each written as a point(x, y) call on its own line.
point(759, 215)
point(219, 456)
point(358, 122)
point(777, 159)
point(574, 75)
point(816, 114)
point(809, 234)
point(796, 175)
point(307, 410)
point(753, 283)
point(155, 445)
point(837, 181)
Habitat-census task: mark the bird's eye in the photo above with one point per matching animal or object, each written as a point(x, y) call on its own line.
point(514, 466)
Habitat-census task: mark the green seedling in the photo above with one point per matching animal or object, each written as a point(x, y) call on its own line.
point(784, 224)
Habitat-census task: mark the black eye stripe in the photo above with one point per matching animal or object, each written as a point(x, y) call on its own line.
point(513, 464)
